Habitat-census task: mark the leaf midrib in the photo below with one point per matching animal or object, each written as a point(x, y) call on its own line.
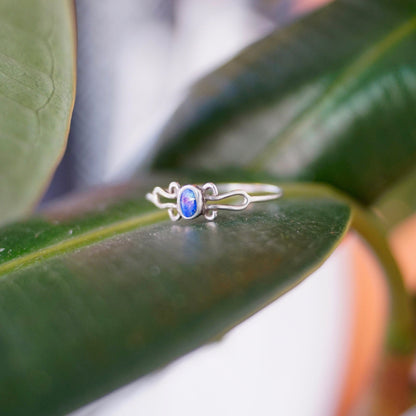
point(82, 240)
point(348, 76)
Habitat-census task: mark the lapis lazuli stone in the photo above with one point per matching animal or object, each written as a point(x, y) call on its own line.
point(188, 203)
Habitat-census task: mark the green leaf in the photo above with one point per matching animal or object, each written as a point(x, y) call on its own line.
point(329, 98)
point(399, 202)
point(37, 70)
point(101, 290)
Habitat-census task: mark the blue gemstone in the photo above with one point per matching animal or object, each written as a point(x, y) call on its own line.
point(188, 203)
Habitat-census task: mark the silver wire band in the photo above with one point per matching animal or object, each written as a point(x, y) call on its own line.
point(194, 200)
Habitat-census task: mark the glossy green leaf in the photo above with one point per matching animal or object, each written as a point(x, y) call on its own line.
point(101, 290)
point(329, 98)
point(37, 70)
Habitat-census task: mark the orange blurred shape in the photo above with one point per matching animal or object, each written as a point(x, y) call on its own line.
point(403, 244)
point(304, 6)
point(370, 312)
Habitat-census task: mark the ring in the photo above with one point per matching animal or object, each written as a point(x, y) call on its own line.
point(191, 201)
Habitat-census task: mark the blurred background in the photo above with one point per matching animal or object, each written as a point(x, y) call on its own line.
point(136, 60)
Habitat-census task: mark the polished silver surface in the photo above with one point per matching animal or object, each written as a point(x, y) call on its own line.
point(206, 197)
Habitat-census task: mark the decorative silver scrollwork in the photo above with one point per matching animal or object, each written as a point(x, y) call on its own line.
point(205, 196)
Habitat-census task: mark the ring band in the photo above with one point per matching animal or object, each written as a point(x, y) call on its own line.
point(191, 201)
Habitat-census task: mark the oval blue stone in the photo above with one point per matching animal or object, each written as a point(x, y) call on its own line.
point(188, 203)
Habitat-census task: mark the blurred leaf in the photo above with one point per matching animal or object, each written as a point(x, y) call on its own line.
point(104, 289)
point(329, 98)
point(37, 70)
point(399, 202)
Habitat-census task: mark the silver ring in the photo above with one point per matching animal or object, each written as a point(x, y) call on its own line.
point(191, 201)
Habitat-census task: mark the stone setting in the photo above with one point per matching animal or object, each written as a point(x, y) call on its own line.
point(189, 202)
